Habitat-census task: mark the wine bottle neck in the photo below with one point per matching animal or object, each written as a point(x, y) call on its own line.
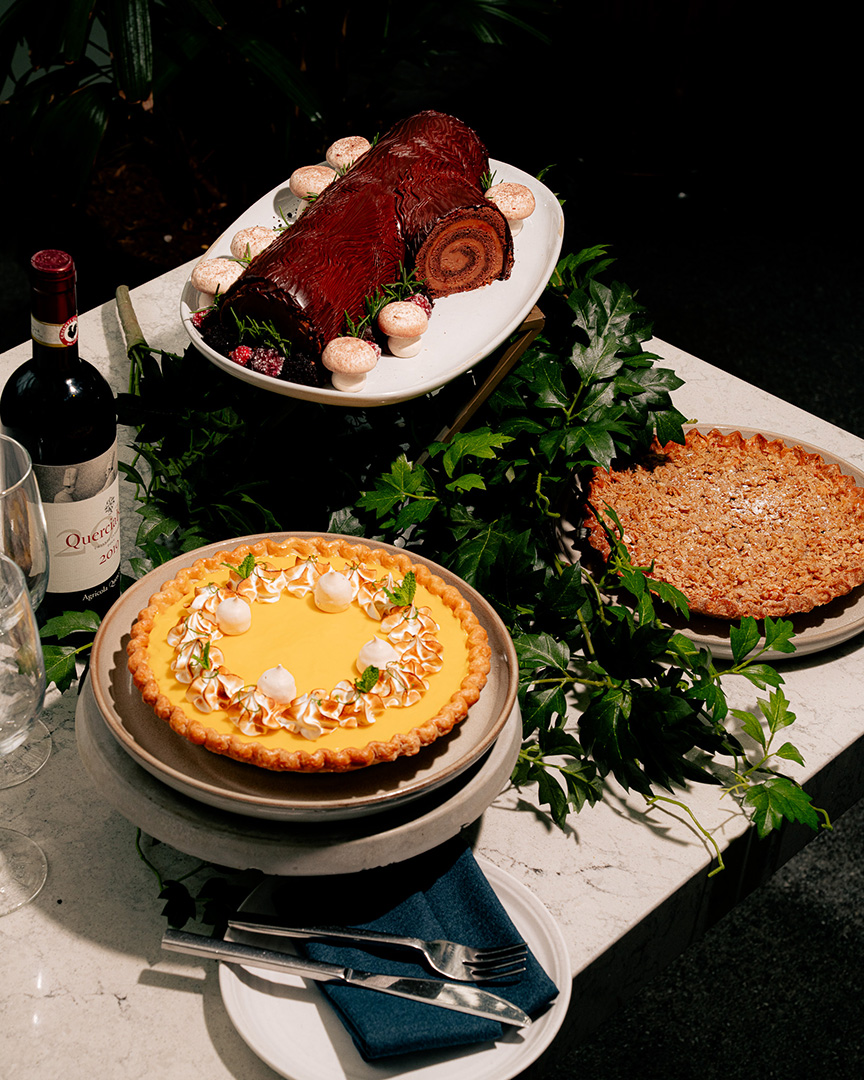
point(55, 358)
point(53, 310)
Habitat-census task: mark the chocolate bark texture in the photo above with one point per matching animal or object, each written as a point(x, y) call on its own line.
point(415, 200)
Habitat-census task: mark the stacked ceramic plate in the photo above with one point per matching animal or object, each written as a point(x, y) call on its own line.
point(236, 814)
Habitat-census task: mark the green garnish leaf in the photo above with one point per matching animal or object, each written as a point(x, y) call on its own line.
point(367, 680)
point(244, 569)
point(403, 594)
point(407, 284)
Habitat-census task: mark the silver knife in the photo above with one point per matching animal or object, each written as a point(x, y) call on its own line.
point(459, 997)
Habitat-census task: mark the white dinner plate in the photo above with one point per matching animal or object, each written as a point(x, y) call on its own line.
point(463, 329)
point(245, 789)
point(822, 628)
point(290, 1025)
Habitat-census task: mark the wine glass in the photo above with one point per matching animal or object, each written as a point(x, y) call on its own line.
point(23, 866)
point(23, 536)
point(24, 540)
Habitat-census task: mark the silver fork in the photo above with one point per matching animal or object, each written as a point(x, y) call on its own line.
point(447, 958)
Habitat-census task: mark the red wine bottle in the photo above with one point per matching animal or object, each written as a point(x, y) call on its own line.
point(62, 410)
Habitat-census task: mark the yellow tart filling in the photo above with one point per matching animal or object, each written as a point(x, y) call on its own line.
point(210, 680)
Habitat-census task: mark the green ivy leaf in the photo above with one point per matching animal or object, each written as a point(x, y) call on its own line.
point(790, 753)
point(542, 707)
point(403, 482)
point(467, 482)
point(670, 595)
point(744, 638)
point(778, 635)
point(751, 726)
point(552, 795)
point(345, 522)
point(155, 525)
point(59, 665)
point(564, 596)
point(71, 622)
point(778, 799)
point(542, 651)
point(776, 711)
point(762, 675)
point(482, 443)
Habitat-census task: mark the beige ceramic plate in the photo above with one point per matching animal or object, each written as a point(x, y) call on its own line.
point(245, 789)
point(295, 847)
point(822, 628)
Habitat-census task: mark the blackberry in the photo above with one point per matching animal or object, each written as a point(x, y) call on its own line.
point(218, 337)
point(300, 368)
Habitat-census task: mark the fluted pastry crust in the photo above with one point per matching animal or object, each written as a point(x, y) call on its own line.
point(184, 721)
point(741, 526)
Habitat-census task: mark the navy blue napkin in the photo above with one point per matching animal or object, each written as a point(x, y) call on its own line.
point(441, 894)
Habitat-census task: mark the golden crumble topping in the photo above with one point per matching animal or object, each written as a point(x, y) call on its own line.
point(740, 526)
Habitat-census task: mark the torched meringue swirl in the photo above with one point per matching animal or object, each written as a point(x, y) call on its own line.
point(198, 663)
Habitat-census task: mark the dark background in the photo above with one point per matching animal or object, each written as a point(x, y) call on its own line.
point(713, 145)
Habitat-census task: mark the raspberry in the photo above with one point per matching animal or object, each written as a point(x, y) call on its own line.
point(197, 319)
point(267, 361)
point(241, 355)
point(422, 302)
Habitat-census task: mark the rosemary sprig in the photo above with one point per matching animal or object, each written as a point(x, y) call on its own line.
point(407, 284)
point(251, 331)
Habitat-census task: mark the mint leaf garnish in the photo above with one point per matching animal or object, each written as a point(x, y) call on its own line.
point(244, 569)
point(367, 680)
point(403, 594)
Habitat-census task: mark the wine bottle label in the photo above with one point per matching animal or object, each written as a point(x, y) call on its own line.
point(54, 335)
point(81, 504)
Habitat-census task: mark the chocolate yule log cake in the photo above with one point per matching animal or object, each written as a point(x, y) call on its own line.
point(415, 200)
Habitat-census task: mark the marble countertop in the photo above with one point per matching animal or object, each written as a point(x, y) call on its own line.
point(84, 986)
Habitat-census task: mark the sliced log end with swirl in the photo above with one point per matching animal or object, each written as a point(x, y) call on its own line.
point(468, 248)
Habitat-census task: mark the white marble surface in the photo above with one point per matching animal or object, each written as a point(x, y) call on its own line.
point(84, 987)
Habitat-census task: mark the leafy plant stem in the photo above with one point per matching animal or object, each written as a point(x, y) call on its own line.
point(153, 869)
point(654, 799)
